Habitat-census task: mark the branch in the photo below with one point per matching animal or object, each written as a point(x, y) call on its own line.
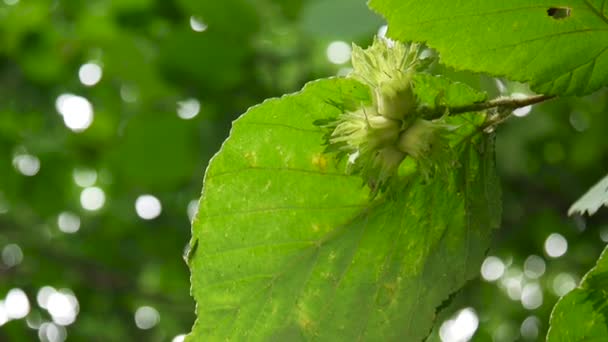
point(505, 102)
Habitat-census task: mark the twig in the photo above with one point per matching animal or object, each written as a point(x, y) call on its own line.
point(504, 102)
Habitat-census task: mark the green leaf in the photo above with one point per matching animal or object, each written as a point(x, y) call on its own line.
point(592, 200)
point(290, 248)
point(517, 38)
point(582, 314)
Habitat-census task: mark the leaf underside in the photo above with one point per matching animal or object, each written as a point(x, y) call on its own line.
point(592, 200)
point(582, 314)
point(560, 50)
point(290, 248)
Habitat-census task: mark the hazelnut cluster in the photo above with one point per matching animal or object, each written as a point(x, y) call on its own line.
point(378, 137)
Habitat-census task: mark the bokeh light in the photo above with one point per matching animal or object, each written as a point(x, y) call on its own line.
point(523, 111)
point(3, 314)
point(16, 304)
point(92, 198)
point(188, 108)
point(90, 74)
point(530, 328)
point(4, 206)
point(26, 164)
point(534, 267)
point(556, 245)
point(338, 52)
point(506, 332)
point(129, 94)
point(50, 332)
point(580, 121)
point(63, 306)
point(604, 234)
point(563, 283)
point(68, 222)
point(382, 31)
point(12, 255)
point(461, 327)
point(197, 24)
point(76, 110)
point(34, 320)
point(146, 317)
point(532, 296)
point(492, 268)
point(179, 338)
point(148, 207)
point(512, 282)
point(84, 177)
point(43, 295)
point(192, 209)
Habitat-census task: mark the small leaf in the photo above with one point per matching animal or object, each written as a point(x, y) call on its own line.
point(591, 201)
point(582, 314)
point(558, 49)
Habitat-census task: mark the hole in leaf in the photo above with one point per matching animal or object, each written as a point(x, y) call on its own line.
point(559, 12)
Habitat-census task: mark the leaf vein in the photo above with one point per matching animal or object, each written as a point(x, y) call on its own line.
point(277, 169)
point(275, 209)
point(273, 124)
point(548, 36)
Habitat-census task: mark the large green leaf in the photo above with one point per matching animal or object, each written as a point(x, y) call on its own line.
point(582, 314)
point(516, 38)
point(287, 247)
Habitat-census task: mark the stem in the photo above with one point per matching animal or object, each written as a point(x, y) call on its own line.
point(505, 102)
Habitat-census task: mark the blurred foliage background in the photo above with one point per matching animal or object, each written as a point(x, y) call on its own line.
point(110, 111)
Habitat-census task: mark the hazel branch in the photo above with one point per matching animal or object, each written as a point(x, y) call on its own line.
point(504, 102)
